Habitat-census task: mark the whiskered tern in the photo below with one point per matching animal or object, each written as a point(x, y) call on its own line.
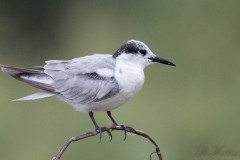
point(98, 82)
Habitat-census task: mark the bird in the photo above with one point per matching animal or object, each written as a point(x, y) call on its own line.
point(98, 82)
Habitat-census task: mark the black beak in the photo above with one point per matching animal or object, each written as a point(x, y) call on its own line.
point(161, 60)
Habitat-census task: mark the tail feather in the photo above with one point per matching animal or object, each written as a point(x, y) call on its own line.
point(33, 76)
point(38, 95)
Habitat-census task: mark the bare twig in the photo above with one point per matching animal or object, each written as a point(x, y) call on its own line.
point(94, 133)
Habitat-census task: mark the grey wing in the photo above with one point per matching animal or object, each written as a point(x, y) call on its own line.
point(78, 80)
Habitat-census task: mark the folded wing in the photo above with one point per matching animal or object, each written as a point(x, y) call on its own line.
point(84, 80)
point(81, 80)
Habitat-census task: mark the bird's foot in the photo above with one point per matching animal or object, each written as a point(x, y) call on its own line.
point(125, 129)
point(103, 129)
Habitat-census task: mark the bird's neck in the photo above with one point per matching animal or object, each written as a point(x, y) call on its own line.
point(129, 67)
point(130, 76)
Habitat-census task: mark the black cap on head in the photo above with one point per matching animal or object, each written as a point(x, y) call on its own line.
point(131, 46)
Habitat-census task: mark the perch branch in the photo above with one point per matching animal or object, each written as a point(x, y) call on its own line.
point(94, 133)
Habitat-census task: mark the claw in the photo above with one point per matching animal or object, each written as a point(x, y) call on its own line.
point(104, 129)
point(125, 132)
point(125, 129)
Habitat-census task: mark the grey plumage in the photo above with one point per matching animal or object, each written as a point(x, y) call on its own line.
point(70, 79)
point(77, 83)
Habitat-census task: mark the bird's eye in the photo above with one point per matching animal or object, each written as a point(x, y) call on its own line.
point(143, 52)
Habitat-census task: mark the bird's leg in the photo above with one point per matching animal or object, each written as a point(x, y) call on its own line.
point(112, 119)
point(122, 126)
point(100, 129)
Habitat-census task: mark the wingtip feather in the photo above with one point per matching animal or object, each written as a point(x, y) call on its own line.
point(38, 95)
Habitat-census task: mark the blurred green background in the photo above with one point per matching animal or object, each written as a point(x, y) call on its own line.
point(184, 108)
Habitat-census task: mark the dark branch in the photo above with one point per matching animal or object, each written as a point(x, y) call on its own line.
point(94, 133)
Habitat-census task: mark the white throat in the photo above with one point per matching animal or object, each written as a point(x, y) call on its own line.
point(130, 77)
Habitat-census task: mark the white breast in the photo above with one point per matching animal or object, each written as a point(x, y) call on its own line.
point(130, 78)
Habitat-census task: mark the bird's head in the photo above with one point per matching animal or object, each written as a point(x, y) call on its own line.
point(138, 52)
